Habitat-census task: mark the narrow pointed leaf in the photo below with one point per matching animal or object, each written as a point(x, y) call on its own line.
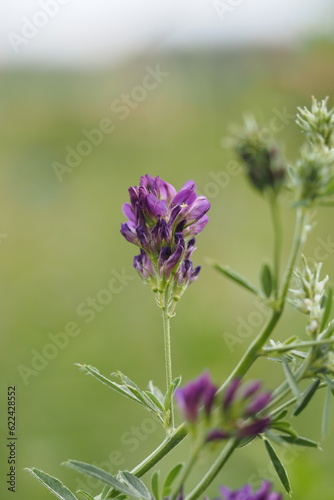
point(328, 308)
point(136, 484)
point(326, 412)
point(155, 401)
point(280, 415)
point(266, 280)
point(169, 394)
point(284, 427)
point(85, 494)
point(306, 397)
point(52, 484)
point(245, 441)
point(291, 379)
point(156, 391)
point(112, 385)
point(300, 441)
point(172, 475)
point(237, 278)
point(101, 475)
point(278, 466)
point(155, 484)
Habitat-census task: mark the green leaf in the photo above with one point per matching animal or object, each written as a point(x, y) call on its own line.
point(52, 484)
point(111, 384)
point(101, 475)
point(155, 401)
point(171, 389)
point(85, 494)
point(328, 307)
point(266, 280)
point(326, 412)
point(155, 484)
point(237, 278)
point(290, 378)
point(284, 427)
point(156, 391)
point(136, 484)
point(278, 466)
point(280, 415)
point(300, 441)
point(306, 397)
point(245, 441)
point(172, 475)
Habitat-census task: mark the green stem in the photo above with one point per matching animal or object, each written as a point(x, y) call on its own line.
point(275, 216)
point(214, 469)
point(187, 469)
point(243, 366)
point(168, 353)
point(297, 345)
point(161, 451)
point(296, 245)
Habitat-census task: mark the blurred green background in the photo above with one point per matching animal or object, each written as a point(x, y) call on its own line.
point(60, 245)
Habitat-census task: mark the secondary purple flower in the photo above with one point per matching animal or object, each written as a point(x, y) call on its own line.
point(246, 493)
point(194, 395)
point(240, 406)
point(162, 223)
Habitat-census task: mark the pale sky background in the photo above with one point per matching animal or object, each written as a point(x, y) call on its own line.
point(90, 32)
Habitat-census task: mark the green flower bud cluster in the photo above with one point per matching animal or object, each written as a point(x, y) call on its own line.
point(309, 296)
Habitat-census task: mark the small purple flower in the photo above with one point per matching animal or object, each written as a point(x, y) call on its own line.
point(239, 408)
point(196, 394)
point(246, 493)
point(162, 223)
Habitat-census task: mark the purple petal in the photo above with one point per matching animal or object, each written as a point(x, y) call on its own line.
point(164, 255)
point(198, 226)
point(258, 403)
point(254, 428)
point(167, 191)
point(199, 208)
point(189, 185)
point(230, 393)
point(184, 197)
point(156, 207)
point(128, 211)
point(173, 260)
point(128, 233)
point(142, 237)
point(216, 435)
point(251, 388)
point(134, 195)
point(263, 491)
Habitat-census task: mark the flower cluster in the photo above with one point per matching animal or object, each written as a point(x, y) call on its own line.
point(313, 174)
point(309, 295)
point(263, 163)
point(162, 223)
point(246, 493)
point(239, 407)
point(317, 124)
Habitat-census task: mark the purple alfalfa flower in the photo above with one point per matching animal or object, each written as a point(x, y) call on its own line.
point(246, 493)
point(230, 393)
point(240, 406)
point(254, 428)
point(162, 223)
point(193, 396)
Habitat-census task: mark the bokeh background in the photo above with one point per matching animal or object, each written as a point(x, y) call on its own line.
point(62, 72)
